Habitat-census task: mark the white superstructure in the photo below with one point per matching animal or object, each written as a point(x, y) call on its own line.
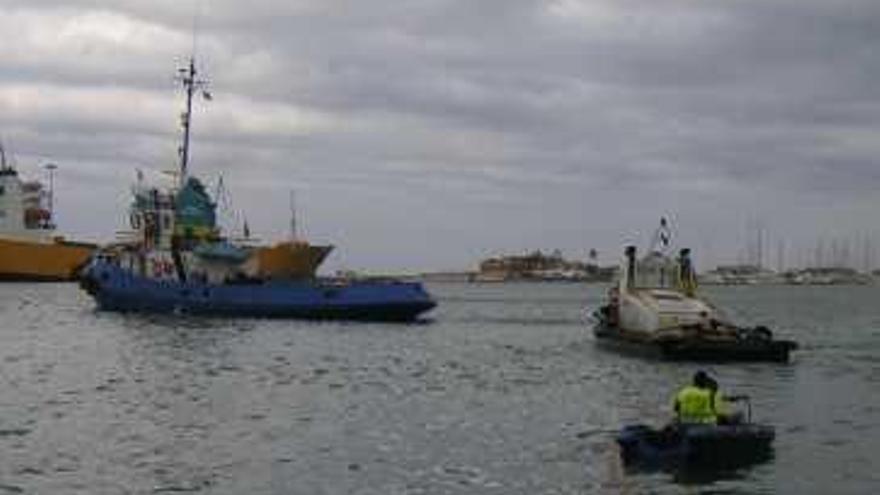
point(655, 296)
point(23, 214)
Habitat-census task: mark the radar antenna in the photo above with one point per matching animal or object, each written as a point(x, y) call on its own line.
point(191, 84)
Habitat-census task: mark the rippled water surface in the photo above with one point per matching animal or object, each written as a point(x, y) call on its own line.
point(503, 392)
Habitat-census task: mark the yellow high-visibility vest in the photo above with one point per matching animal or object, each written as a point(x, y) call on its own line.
point(694, 405)
point(721, 407)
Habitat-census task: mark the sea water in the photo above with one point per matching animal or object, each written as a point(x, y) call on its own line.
point(503, 391)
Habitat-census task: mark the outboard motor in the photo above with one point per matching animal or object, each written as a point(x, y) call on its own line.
point(758, 333)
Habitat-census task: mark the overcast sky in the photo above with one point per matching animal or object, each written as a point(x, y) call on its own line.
point(426, 134)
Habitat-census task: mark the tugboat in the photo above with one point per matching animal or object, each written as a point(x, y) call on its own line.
point(654, 309)
point(697, 445)
point(178, 261)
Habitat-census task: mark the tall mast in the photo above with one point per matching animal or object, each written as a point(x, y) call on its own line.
point(187, 77)
point(292, 216)
point(51, 167)
point(189, 85)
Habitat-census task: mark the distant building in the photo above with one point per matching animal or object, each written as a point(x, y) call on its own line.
point(539, 266)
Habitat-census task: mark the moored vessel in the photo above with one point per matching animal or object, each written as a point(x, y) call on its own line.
point(177, 260)
point(288, 260)
point(655, 309)
point(30, 249)
point(291, 259)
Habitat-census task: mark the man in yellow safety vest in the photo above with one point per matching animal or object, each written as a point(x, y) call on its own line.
point(695, 403)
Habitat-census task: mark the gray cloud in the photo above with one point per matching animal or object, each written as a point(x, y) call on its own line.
point(428, 133)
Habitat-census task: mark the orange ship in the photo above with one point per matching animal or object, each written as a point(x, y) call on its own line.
point(29, 248)
point(288, 260)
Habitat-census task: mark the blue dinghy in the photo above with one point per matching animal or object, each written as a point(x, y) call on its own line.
point(702, 445)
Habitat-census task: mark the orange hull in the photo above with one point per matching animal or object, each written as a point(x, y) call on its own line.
point(290, 260)
point(37, 261)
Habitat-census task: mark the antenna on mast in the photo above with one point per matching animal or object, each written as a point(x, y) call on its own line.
point(197, 13)
point(293, 235)
point(191, 84)
point(187, 77)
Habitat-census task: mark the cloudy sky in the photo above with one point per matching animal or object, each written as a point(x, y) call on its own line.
point(426, 134)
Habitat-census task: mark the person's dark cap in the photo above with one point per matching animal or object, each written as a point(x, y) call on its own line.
point(701, 378)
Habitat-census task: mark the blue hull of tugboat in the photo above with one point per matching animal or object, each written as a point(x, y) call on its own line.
point(116, 289)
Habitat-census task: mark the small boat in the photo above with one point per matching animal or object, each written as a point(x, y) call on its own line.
point(655, 310)
point(696, 445)
point(176, 260)
point(734, 443)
